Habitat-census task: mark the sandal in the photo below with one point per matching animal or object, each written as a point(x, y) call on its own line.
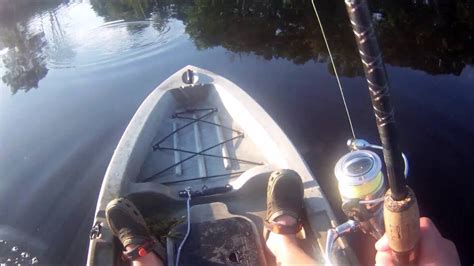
point(128, 225)
point(285, 194)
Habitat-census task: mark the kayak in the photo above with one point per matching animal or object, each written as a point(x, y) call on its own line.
point(198, 137)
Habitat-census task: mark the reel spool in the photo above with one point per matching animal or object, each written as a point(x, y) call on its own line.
point(362, 187)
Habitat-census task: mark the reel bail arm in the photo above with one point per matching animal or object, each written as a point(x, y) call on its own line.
point(334, 233)
point(360, 144)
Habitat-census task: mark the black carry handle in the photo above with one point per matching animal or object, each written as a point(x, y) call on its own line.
point(206, 191)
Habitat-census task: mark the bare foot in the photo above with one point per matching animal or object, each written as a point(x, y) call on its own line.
point(285, 247)
point(148, 259)
point(276, 242)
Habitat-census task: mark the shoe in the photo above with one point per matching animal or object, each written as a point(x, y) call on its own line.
point(128, 225)
point(285, 195)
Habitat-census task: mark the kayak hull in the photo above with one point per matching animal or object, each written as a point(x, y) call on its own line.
point(208, 135)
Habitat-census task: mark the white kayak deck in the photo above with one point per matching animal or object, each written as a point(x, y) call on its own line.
point(203, 126)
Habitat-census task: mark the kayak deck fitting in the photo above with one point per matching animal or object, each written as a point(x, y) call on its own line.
point(211, 137)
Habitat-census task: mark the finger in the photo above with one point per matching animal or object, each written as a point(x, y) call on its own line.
point(384, 258)
point(430, 236)
point(428, 228)
point(452, 252)
point(382, 244)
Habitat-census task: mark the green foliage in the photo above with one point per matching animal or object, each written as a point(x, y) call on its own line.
point(161, 227)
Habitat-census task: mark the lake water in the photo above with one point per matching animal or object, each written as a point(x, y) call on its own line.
point(74, 72)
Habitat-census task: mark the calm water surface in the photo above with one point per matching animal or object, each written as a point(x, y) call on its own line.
point(74, 72)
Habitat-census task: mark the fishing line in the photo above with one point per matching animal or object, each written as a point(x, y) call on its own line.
point(335, 71)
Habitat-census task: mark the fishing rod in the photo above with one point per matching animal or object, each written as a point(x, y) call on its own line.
point(401, 214)
point(360, 179)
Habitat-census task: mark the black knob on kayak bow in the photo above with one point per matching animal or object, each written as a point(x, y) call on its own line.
point(190, 77)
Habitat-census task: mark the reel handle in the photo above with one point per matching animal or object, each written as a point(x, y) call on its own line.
point(402, 227)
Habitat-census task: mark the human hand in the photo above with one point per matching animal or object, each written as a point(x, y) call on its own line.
point(433, 248)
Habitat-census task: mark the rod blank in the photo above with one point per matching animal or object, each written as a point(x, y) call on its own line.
point(374, 68)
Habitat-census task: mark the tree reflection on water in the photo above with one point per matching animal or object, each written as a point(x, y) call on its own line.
point(24, 59)
point(432, 36)
point(23, 55)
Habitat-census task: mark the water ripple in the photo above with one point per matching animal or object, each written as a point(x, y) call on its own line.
point(112, 43)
